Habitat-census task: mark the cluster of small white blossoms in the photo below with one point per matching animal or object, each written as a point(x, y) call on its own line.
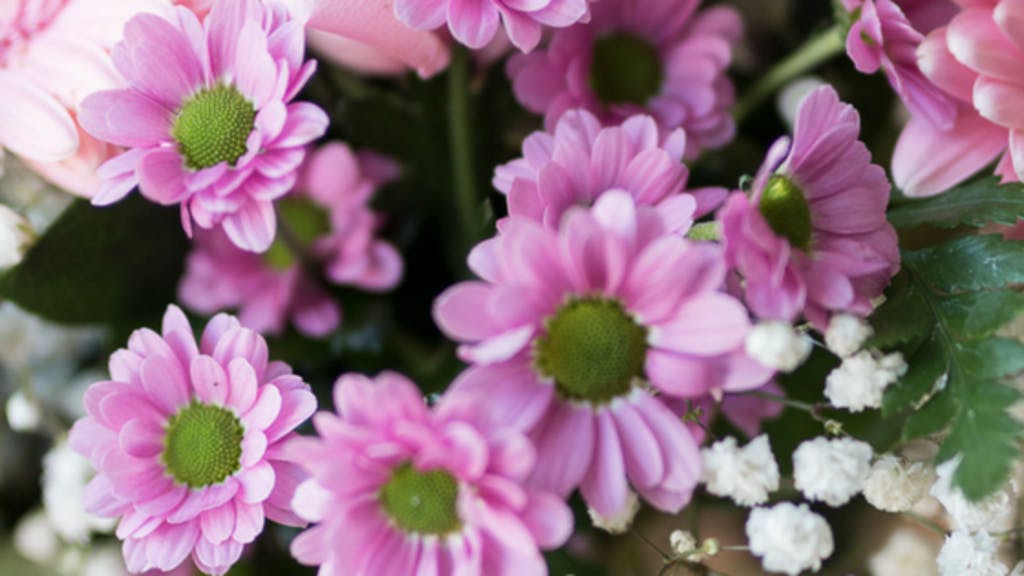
point(778, 345)
point(861, 379)
point(789, 538)
point(746, 475)
point(831, 470)
point(16, 235)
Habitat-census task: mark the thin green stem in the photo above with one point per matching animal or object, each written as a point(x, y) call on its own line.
point(817, 50)
point(460, 139)
point(806, 407)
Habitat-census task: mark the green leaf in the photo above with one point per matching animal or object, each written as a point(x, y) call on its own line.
point(975, 204)
point(114, 265)
point(930, 362)
point(969, 264)
point(944, 311)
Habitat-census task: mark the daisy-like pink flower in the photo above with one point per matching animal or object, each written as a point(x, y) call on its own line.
point(475, 23)
point(580, 160)
point(398, 489)
point(329, 217)
point(186, 441)
point(52, 55)
point(568, 326)
point(812, 237)
point(656, 57)
point(207, 117)
point(882, 37)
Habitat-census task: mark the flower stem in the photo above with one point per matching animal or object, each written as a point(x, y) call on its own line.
point(460, 141)
point(817, 50)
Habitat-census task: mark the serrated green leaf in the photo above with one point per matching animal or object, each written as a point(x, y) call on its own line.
point(980, 314)
point(969, 264)
point(990, 359)
point(904, 317)
point(985, 436)
point(930, 362)
point(113, 265)
point(934, 417)
point(975, 204)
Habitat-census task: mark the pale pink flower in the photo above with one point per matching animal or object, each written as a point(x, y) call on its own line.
point(328, 215)
point(813, 238)
point(579, 160)
point(566, 326)
point(207, 116)
point(366, 34)
point(399, 489)
point(186, 441)
point(53, 53)
point(882, 37)
point(476, 23)
point(970, 59)
point(656, 57)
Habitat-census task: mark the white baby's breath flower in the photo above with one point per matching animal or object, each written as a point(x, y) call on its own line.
point(846, 334)
point(906, 553)
point(747, 475)
point(778, 345)
point(831, 471)
point(860, 381)
point(970, 553)
point(896, 485)
point(789, 538)
point(65, 474)
point(16, 236)
point(35, 539)
point(683, 543)
point(618, 524)
point(993, 513)
point(24, 414)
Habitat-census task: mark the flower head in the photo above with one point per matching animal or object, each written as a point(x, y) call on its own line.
point(579, 160)
point(656, 57)
point(52, 55)
point(975, 553)
point(185, 439)
point(206, 116)
point(398, 488)
point(474, 24)
point(896, 485)
point(860, 381)
point(747, 474)
point(995, 511)
point(813, 237)
point(568, 324)
point(789, 538)
point(329, 218)
point(831, 471)
point(882, 37)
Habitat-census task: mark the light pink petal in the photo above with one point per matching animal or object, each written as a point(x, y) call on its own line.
point(162, 177)
point(253, 226)
point(166, 383)
point(549, 520)
point(257, 483)
point(472, 22)
point(604, 488)
point(209, 380)
point(32, 123)
point(125, 118)
point(306, 122)
point(708, 324)
point(218, 524)
point(566, 443)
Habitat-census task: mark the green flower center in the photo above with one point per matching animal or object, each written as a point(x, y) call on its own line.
point(213, 127)
point(626, 69)
point(593, 350)
point(203, 445)
point(303, 221)
point(784, 207)
point(422, 502)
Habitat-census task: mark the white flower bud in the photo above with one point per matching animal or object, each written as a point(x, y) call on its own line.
point(620, 523)
point(846, 334)
point(778, 345)
point(895, 485)
point(23, 413)
point(683, 543)
point(16, 235)
point(860, 381)
point(789, 538)
point(970, 553)
point(831, 471)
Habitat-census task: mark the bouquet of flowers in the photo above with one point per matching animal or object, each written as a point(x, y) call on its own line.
point(512, 287)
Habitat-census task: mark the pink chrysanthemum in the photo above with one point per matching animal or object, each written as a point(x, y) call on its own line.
point(186, 442)
point(475, 23)
point(329, 217)
point(882, 37)
point(579, 160)
point(398, 489)
point(206, 116)
point(656, 57)
point(568, 325)
point(52, 55)
point(813, 237)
